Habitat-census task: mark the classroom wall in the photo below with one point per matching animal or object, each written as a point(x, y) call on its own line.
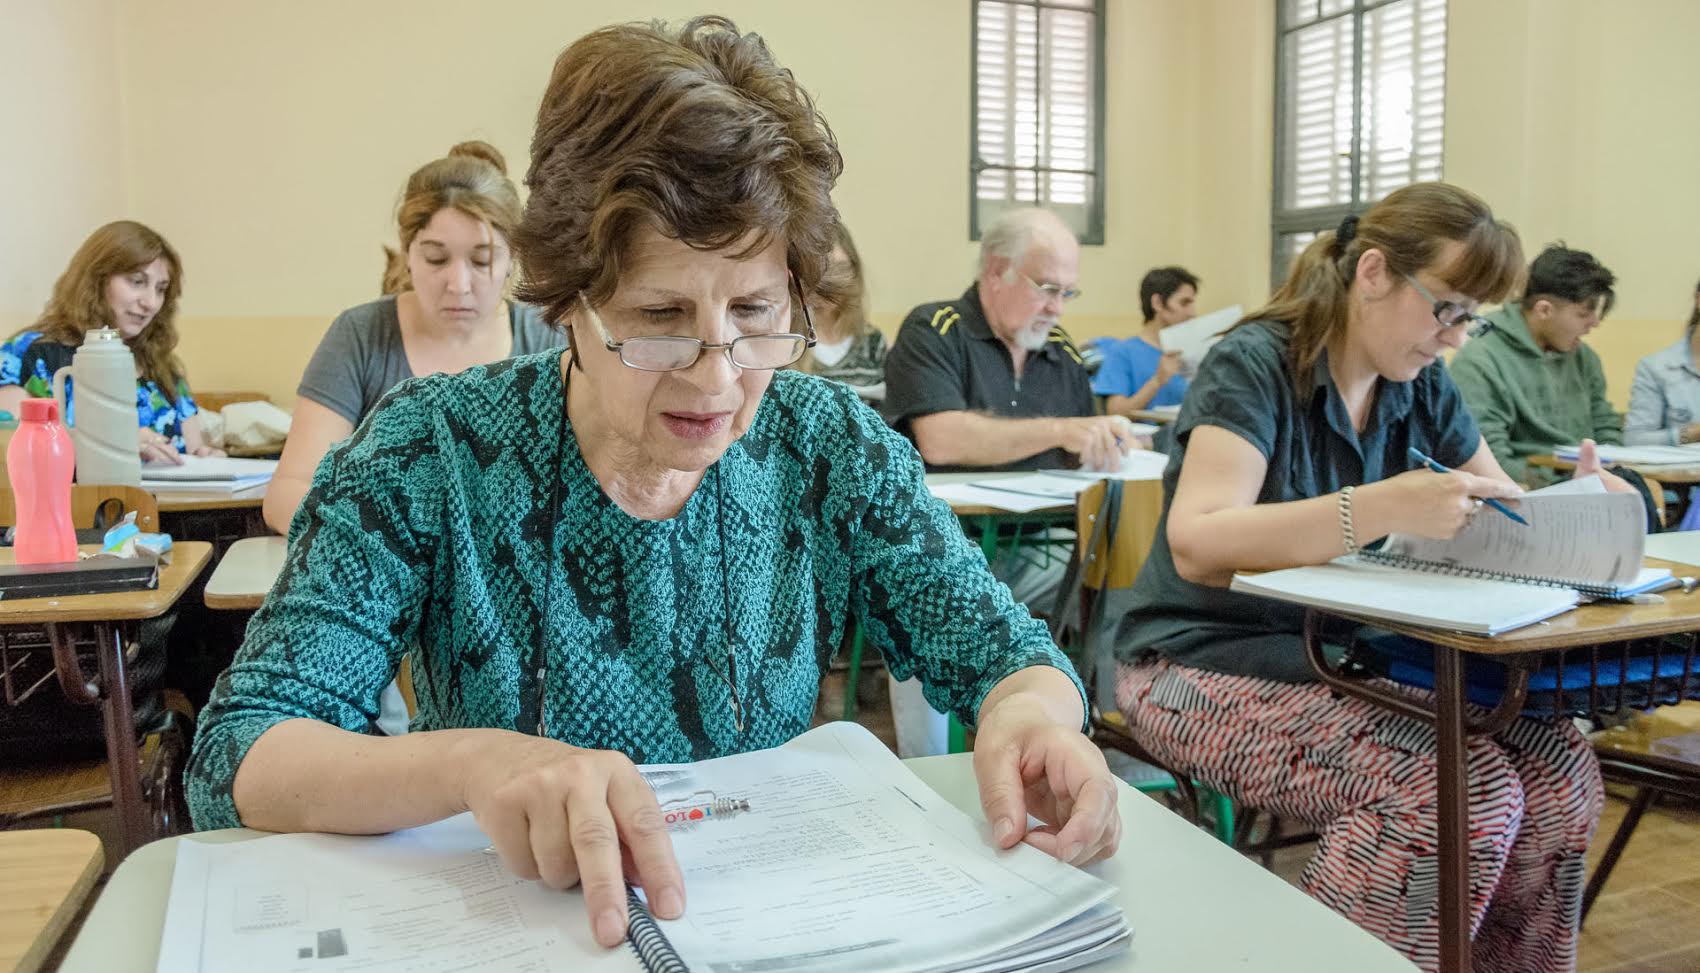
point(1576, 120)
point(268, 142)
point(61, 174)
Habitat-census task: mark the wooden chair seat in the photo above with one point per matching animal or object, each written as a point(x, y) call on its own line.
point(70, 785)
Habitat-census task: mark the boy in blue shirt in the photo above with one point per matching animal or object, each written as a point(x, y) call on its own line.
point(1136, 374)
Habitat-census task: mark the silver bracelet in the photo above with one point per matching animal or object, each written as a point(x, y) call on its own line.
point(1347, 534)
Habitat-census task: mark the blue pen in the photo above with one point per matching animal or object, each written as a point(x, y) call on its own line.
point(1435, 465)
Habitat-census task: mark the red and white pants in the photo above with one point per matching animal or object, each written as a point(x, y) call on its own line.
point(1365, 780)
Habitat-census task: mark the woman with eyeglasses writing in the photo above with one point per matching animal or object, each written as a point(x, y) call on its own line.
point(1291, 449)
point(645, 549)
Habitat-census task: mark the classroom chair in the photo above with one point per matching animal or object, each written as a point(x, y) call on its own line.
point(28, 669)
point(1115, 525)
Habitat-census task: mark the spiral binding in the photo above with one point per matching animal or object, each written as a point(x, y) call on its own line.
point(646, 939)
point(1464, 571)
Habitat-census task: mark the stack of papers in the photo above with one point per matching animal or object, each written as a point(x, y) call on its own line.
point(845, 861)
point(1638, 455)
point(207, 473)
point(1027, 492)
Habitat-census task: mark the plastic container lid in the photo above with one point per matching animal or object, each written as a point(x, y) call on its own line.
point(40, 410)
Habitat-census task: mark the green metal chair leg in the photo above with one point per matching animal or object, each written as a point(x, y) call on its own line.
point(1224, 817)
point(854, 674)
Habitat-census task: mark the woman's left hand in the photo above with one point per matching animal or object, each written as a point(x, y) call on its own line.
point(208, 451)
point(1028, 763)
point(1588, 464)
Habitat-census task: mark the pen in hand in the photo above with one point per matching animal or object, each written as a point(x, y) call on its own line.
point(1418, 456)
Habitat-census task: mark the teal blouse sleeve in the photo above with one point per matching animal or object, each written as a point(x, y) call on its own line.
point(345, 608)
point(923, 590)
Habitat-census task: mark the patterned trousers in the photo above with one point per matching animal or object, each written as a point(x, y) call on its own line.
point(1365, 780)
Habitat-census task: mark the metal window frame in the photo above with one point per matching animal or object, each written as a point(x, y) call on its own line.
point(1094, 235)
point(1284, 220)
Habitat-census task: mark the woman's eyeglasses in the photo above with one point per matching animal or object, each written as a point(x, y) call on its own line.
point(670, 353)
point(1451, 314)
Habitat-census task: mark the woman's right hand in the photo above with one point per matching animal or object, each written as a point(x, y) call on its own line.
point(1423, 502)
point(155, 448)
point(571, 816)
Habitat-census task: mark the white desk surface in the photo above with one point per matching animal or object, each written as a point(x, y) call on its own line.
point(246, 572)
point(1193, 902)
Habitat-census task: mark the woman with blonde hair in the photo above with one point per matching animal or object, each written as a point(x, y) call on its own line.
point(643, 550)
point(445, 309)
point(848, 348)
point(1291, 449)
point(124, 276)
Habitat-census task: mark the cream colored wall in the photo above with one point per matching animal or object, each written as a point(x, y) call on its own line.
point(268, 142)
point(60, 169)
point(1577, 120)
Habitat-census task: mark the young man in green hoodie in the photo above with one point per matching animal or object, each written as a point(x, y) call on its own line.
point(1530, 382)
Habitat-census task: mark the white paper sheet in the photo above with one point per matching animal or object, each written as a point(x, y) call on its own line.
point(847, 862)
point(965, 494)
point(1193, 338)
point(428, 899)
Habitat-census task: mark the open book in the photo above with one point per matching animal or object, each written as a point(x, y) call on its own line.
point(1495, 575)
point(845, 861)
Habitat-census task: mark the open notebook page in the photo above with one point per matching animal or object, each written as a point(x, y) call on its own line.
point(1577, 533)
point(1472, 605)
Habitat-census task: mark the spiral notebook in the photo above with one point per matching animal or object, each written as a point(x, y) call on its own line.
point(1495, 575)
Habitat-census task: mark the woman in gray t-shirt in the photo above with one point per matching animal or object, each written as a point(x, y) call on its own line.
point(445, 311)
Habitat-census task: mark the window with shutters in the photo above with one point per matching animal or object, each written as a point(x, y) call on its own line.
point(1037, 132)
point(1360, 103)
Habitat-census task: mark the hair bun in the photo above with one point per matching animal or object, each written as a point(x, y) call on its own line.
point(481, 150)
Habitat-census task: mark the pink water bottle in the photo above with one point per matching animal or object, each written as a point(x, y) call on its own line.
point(39, 462)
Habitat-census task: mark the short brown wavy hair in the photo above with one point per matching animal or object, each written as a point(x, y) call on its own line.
point(78, 303)
point(696, 132)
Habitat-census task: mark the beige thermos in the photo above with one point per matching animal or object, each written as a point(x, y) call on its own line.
point(104, 425)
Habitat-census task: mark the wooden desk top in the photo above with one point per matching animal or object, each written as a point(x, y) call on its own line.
point(1591, 624)
point(187, 560)
point(49, 873)
point(187, 501)
point(1159, 416)
point(246, 572)
point(1673, 475)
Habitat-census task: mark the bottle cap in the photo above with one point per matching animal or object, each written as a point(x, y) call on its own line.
point(40, 410)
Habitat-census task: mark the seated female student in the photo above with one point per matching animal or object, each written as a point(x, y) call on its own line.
point(124, 276)
point(1664, 402)
point(1291, 443)
point(644, 549)
point(847, 347)
point(443, 311)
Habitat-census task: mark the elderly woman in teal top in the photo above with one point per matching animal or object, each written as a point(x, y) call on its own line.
point(645, 549)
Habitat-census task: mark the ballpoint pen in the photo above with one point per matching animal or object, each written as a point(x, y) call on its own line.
point(1435, 465)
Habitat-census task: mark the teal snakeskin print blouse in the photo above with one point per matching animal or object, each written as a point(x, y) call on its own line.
point(425, 531)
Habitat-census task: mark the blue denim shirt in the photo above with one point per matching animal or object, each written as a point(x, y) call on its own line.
point(1664, 398)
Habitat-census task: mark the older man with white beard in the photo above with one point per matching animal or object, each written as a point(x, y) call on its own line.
point(991, 381)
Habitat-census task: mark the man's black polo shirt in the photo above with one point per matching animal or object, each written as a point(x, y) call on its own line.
point(946, 359)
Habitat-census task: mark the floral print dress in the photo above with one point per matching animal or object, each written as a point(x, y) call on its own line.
point(29, 361)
